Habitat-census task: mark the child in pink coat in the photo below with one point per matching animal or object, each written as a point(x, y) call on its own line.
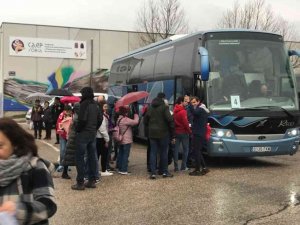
point(125, 126)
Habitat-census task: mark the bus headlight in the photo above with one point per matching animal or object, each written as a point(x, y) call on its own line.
point(221, 133)
point(292, 132)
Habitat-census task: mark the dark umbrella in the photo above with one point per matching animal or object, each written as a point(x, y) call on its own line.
point(60, 92)
point(130, 98)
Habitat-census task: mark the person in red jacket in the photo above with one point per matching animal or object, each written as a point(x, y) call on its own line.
point(182, 131)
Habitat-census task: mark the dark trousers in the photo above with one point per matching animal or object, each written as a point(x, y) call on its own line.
point(198, 142)
point(86, 144)
point(109, 150)
point(191, 156)
point(103, 152)
point(159, 145)
point(48, 128)
point(37, 126)
point(148, 155)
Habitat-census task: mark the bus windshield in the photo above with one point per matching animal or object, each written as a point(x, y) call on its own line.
point(248, 73)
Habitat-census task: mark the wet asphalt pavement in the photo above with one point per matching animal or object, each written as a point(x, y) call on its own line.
point(235, 191)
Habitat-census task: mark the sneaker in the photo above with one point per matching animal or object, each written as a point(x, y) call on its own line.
point(97, 180)
point(152, 177)
point(60, 169)
point(110, 169)
point(65, 176)
point(196, 173)
point(204, 171)
point(167, 175)
point(78, 187)
point(186, 169)
point(90, 184)
point(106, 173)
point(123, 173)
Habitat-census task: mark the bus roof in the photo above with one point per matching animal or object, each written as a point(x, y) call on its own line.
point(176, 38)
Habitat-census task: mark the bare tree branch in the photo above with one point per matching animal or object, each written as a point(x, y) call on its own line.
point(257, 15)
point(159, 19)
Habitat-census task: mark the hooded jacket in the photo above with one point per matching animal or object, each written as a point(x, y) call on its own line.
point(181, 120)
point(158, 120)
point(90, 116)
point(200, 115)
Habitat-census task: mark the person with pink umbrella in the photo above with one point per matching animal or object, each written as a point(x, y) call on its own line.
point(125, 124)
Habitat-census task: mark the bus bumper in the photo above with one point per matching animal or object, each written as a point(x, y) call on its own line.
point(223, 147)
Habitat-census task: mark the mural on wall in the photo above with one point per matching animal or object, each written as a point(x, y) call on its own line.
point(16, 90)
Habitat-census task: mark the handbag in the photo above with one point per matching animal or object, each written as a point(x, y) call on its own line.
point(116, 135)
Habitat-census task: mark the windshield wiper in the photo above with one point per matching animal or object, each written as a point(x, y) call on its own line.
point(241, 109)
point(275, 107)
point(259, 108)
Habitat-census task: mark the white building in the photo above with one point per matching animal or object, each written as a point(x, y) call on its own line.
point(34, 52)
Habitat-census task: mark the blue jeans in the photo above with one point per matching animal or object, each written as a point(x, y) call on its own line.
point(159, 145)
point(122, 159)
point(86, 144)
point(184, 140)
point(62, 151)
point(86, 166)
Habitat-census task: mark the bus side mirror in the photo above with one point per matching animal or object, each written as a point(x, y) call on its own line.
point(294, 52)
point(204, 63)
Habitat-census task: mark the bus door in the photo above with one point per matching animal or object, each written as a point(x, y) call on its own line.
point(199, 87)
point(178, 90)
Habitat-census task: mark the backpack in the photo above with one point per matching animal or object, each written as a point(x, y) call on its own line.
point(117, 137)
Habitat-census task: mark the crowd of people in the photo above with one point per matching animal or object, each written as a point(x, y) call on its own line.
point(86, 134)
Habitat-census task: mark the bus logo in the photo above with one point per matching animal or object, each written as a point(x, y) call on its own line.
point(261, 123)
point(261, 137)
point(286, 123)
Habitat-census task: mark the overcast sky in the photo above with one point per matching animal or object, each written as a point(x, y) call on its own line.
point(121, 14)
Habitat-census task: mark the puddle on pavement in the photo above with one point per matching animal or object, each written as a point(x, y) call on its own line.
point(294, 198)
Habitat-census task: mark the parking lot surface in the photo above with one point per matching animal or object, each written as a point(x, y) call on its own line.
point(236, 191)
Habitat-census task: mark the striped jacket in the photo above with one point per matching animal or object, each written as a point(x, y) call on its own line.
point(36, 204)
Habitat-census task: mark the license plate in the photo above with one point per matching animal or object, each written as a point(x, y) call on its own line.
point(262, 149)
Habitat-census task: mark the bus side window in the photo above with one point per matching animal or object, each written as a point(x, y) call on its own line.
point(147, 67)
point(163, 62)
point(183, 59)
point(118, 73)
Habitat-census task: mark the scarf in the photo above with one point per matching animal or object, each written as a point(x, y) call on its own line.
point(12, 168)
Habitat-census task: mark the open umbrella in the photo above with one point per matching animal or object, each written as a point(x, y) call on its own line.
point(69, 99)
point(60, 92)
point(38, 96)
point(130, 98)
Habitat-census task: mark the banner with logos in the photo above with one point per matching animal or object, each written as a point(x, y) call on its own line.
point(53, 48)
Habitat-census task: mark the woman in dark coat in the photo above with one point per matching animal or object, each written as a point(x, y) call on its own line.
point(69, 159)
point(47, 119)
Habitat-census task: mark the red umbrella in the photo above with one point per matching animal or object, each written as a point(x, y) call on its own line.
point(69, 99)
point(130, 98)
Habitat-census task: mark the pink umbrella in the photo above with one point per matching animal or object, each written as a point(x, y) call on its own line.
point(69, 99)
point(130, 98)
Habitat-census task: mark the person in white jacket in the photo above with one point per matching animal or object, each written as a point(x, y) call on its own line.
point(102, 140)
